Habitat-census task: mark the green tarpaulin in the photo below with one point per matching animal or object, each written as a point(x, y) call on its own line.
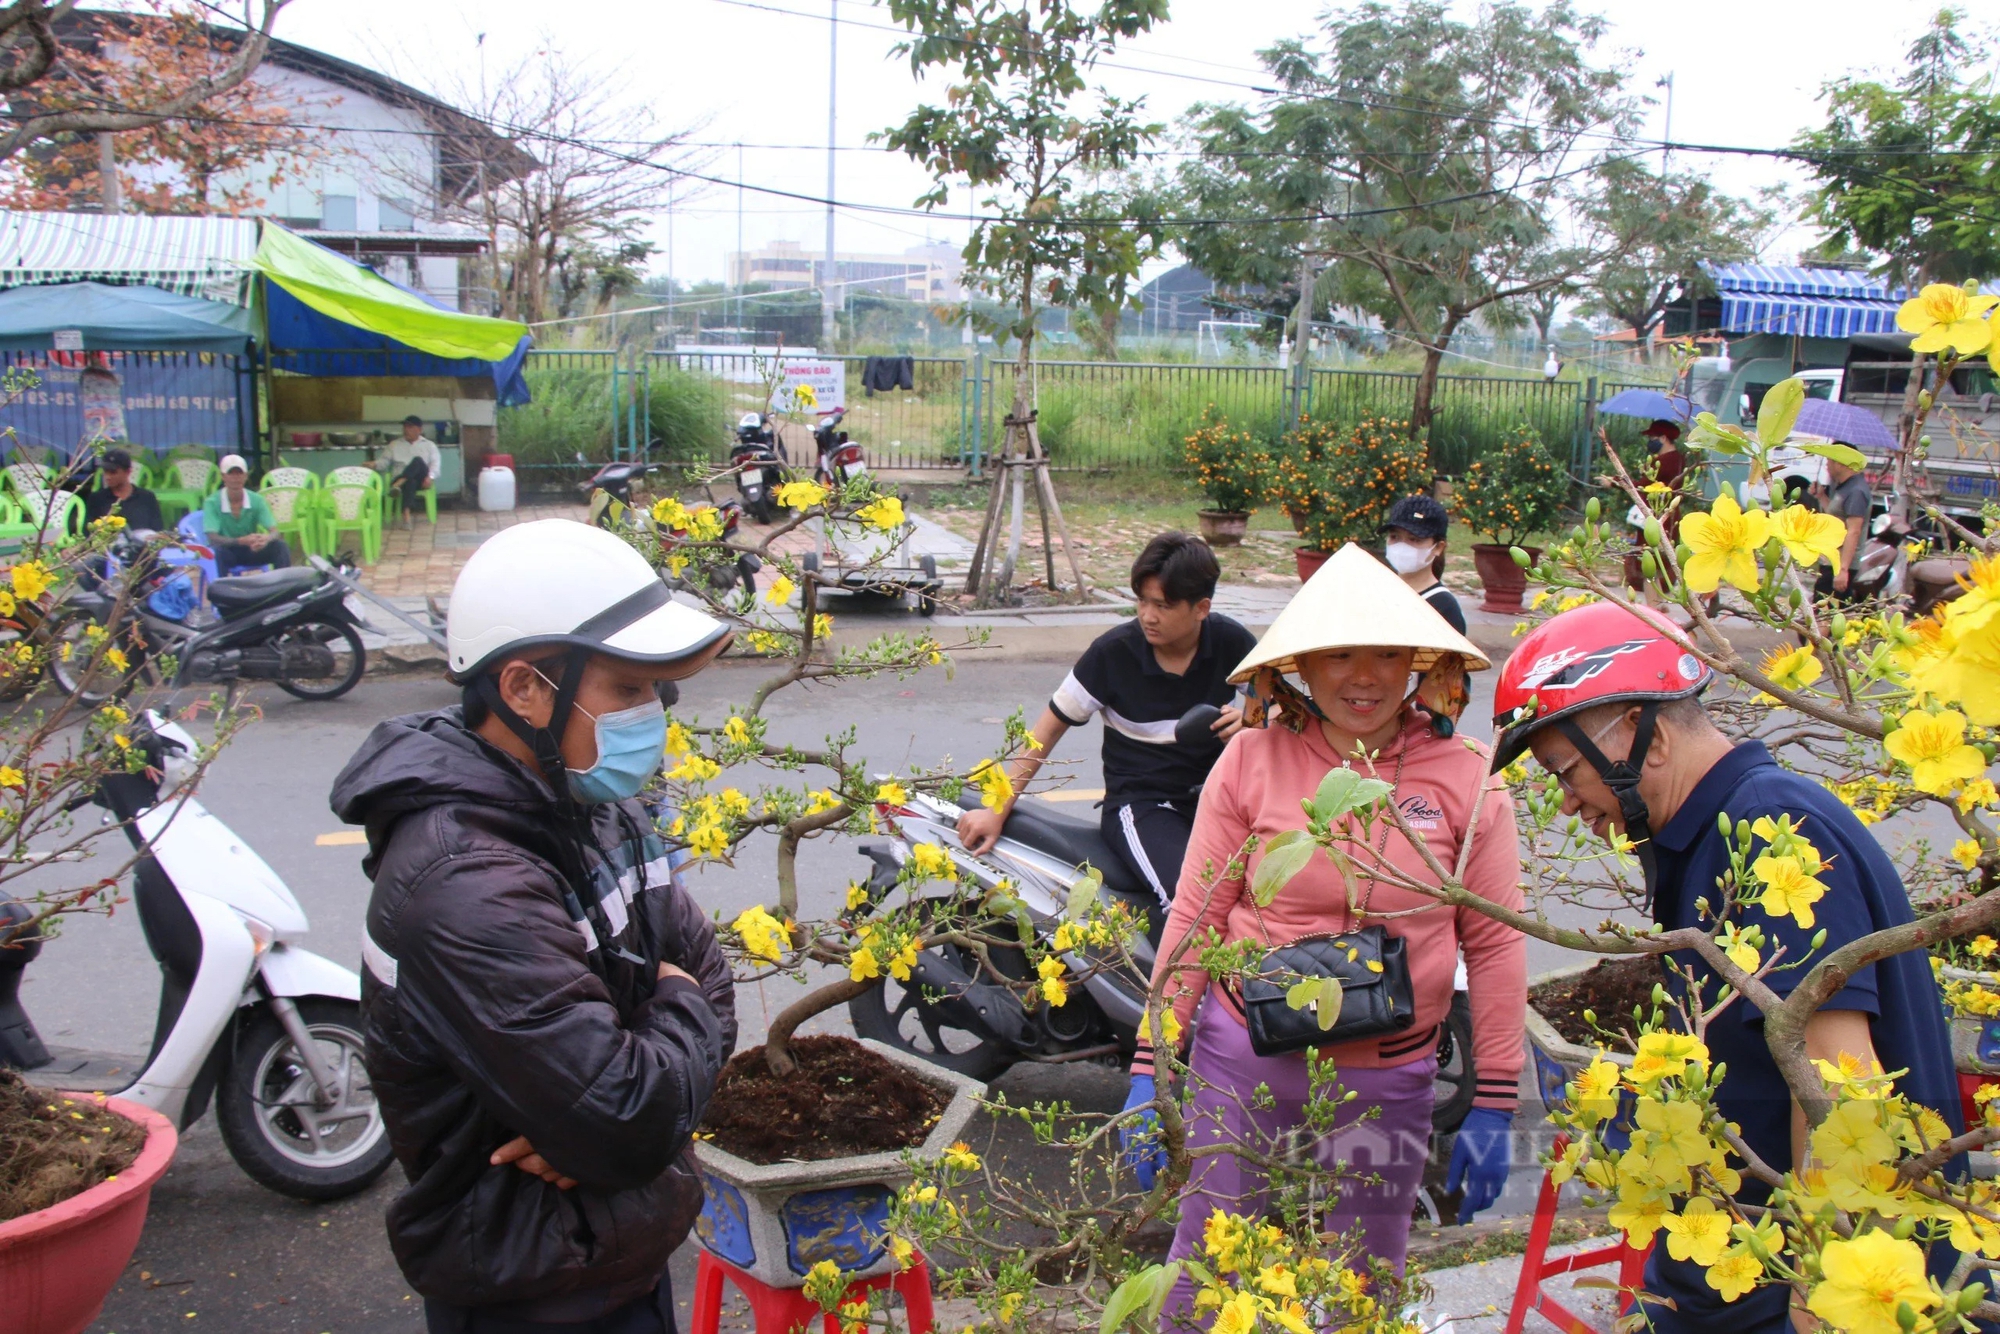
point(342, 290)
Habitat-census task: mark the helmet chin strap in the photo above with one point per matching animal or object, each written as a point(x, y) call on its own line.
point(545, 742)
point(1622, 777)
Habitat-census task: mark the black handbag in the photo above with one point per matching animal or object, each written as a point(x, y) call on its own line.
point(1376, 994)
point(1370, 964)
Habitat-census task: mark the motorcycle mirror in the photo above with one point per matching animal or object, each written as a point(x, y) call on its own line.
point(668, 691)
point(1194, 726)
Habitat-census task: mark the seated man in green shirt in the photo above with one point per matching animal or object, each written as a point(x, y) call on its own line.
point(239, 524)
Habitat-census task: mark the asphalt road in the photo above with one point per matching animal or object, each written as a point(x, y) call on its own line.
point(220, 1252)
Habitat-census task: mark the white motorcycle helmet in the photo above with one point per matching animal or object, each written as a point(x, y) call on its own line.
point(556, 582)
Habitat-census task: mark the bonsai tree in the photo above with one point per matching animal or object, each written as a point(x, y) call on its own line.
point(1338, 482)
point(1513, 490)
point(1234, 469)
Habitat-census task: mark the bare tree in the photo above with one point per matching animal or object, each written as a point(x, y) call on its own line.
point(36, 38)
point(572, 166)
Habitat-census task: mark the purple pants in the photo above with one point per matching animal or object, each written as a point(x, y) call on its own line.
point(1393, 1146)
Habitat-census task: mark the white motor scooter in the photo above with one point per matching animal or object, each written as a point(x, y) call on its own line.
point(269, 1030)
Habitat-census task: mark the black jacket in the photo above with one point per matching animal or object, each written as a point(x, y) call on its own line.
point(498, 1001)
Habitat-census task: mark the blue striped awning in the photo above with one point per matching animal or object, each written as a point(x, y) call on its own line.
point(202, 257)
point(1812, 303)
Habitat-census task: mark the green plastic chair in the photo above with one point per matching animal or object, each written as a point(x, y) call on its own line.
point(59, 519)
point(353, 509)
point(189, 481)
point(25, 475)
point(297, 518)
point(303, 478)
point(392, 504)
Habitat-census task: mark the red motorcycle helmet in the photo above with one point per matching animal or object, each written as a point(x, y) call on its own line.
point(1599, 654)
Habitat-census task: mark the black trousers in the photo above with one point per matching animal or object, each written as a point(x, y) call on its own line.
point(411, 481)
point(233, 556)
point(650, 1314)
point(1151, 837)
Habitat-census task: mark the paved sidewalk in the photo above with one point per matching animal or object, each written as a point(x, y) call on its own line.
point(426, 557)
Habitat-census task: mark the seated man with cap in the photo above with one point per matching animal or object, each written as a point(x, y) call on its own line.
point(240, 525)
point(412, 464)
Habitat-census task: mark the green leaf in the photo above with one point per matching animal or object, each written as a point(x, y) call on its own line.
point(1712, 435)
point(1328, 1007)
point(1141, 1295)
point(1343, 790)
point(1301, 994)
point(1847, 456)
point(1083, 892)
point(1284, 857)
point(1779, 411)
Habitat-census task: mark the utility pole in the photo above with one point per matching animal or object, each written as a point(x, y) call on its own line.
point(672, 330)
point(742, 274)
point(107, 177)
point(1666, 81)
point(827, 304)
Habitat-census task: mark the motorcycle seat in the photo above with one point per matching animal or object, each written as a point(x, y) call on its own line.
point(241, 592)
point(1078, 842)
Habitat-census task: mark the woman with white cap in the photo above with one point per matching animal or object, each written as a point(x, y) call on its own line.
point(1356, 637)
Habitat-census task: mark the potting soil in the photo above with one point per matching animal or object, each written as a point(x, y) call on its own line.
point(1609, 988)
point(52, 1147)
point(843, 1100)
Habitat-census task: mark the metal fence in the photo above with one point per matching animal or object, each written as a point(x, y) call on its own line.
point(1100, 416)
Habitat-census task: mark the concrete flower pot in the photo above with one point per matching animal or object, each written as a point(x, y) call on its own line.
point(1223, 528)
point(57, 1265)
point(775, 1222)
point(1558, 1060)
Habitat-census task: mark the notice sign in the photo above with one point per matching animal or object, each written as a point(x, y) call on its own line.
point(826, 382)
point(66, 340)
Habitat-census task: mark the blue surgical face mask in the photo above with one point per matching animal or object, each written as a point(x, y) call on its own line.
point(630, 746)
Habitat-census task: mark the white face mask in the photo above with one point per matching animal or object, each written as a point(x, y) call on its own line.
point(1407, 557)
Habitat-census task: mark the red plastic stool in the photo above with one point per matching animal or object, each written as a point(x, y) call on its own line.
point(1536, 1266)
point(1968, 1089)
point(783, 1310)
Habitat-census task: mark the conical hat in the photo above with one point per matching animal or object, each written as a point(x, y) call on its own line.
point(1355, 601)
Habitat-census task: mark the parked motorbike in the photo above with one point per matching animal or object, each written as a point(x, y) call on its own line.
point(618, 492)
point(1882, 566)
point(952, 1015)
point(289, 627)
point(838, 459)
point(270, 1031)
point(758, 460)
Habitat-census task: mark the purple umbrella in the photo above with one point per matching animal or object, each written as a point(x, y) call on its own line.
point(1843, 422)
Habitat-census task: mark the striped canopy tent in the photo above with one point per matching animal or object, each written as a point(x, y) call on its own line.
point(1811, 303)
point(208, 258)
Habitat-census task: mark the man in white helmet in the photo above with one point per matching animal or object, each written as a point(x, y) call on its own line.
point(546, 1010)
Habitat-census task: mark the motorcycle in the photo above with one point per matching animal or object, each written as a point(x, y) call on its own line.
point(1882, 567)
point(271, 1032)
point(837, 459)
point(619, 500)
point(757, 459)
point(291, 627)
point(618, 492)
point(952, 1016)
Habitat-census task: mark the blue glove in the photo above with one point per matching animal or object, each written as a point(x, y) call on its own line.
point(1139, 1138)
point(1481, 1158)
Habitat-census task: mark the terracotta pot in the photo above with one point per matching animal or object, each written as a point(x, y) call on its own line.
point(1223, 528)
point(1502, 580)
point(57, 1265)
point(1310, 559)
point(1298, 521)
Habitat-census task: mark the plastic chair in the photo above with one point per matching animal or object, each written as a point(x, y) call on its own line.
point(296, 517)
point(24, 476)
point(190, 480)
point(58, 516)
point(301, 478)
point(1537, 1268)
point(352, 509)
point(788, 1308)
point(194, 531)
point(392, 503)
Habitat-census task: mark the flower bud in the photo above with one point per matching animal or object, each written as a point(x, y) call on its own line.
point(1905, 1227)
point(1795, 597)
point(1653, 532)
point(1906, 1314)
point(1722, 824)
point(1591, 509)
point(1970, 1296)
point(1837, 627)
point(1520, 557)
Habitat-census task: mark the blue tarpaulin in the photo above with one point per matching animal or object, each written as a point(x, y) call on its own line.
point(112, 319)
point(302, 340)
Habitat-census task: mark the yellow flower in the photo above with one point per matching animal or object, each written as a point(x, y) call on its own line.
point(1866, 1279)
point(804, 395)
point(705, 523)
point(781, 590)
point(679, 741)
point(1943, 316)
point(12, 777)
point(1170, 1027)
point(1725, 542)
point(1700, 1232)
point(933, 862)
point(903, 960)
point(803, 494)
point(892, 794)
point(764, 936)
point(902, 1250)
point(1789, 890)
point(1978, 794)
point(1792, 669)
point(1809, 535)
point(695, 768)
point(995, 788)
point(1934, 746)
point(1957, 656)
point(31, 579)
point(1277, 1280)
point(1664, 1053)
point(1238, 1315)
point(1594, 1092)
point(120, 740)
point(1853, 1136)
point(1735, 1273)
point(961, 1156)
point(857, 895)
point(884, 513)
point(736, 730)
point(861, 965)
point(1966, 853)
point(708, 840)
point(1639, 1212)
point(1979, 947)
point(1055, 991)
point(1671, 1139)
point(1049, 967)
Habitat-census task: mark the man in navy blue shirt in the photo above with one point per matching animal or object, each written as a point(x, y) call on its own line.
point(1608, 705)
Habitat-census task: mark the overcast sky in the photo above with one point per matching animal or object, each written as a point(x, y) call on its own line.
point(1747, 72)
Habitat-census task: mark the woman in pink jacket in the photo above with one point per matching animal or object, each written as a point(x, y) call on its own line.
point(1357, 639)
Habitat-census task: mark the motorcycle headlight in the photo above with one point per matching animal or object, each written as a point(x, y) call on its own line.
point(261, 933)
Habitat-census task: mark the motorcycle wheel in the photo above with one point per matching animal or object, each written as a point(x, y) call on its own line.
point(265, 1111)
point(350, 659)
point(1456, 1083)
point(71, 655)
point(897, 1015)
point(927, 601)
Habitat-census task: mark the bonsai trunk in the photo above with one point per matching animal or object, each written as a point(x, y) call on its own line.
point(778, 1041)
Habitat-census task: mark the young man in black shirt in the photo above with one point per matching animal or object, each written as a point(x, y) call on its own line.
point(115, 493)
point(1142, 676)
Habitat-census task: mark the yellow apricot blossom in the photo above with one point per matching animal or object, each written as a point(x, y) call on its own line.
point(1791, 669)
point(1934, 746)
point(1725, 542)
point(1809, 535)
point(1947, 316)
point(1700, 1232)
point(1866, 1279)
